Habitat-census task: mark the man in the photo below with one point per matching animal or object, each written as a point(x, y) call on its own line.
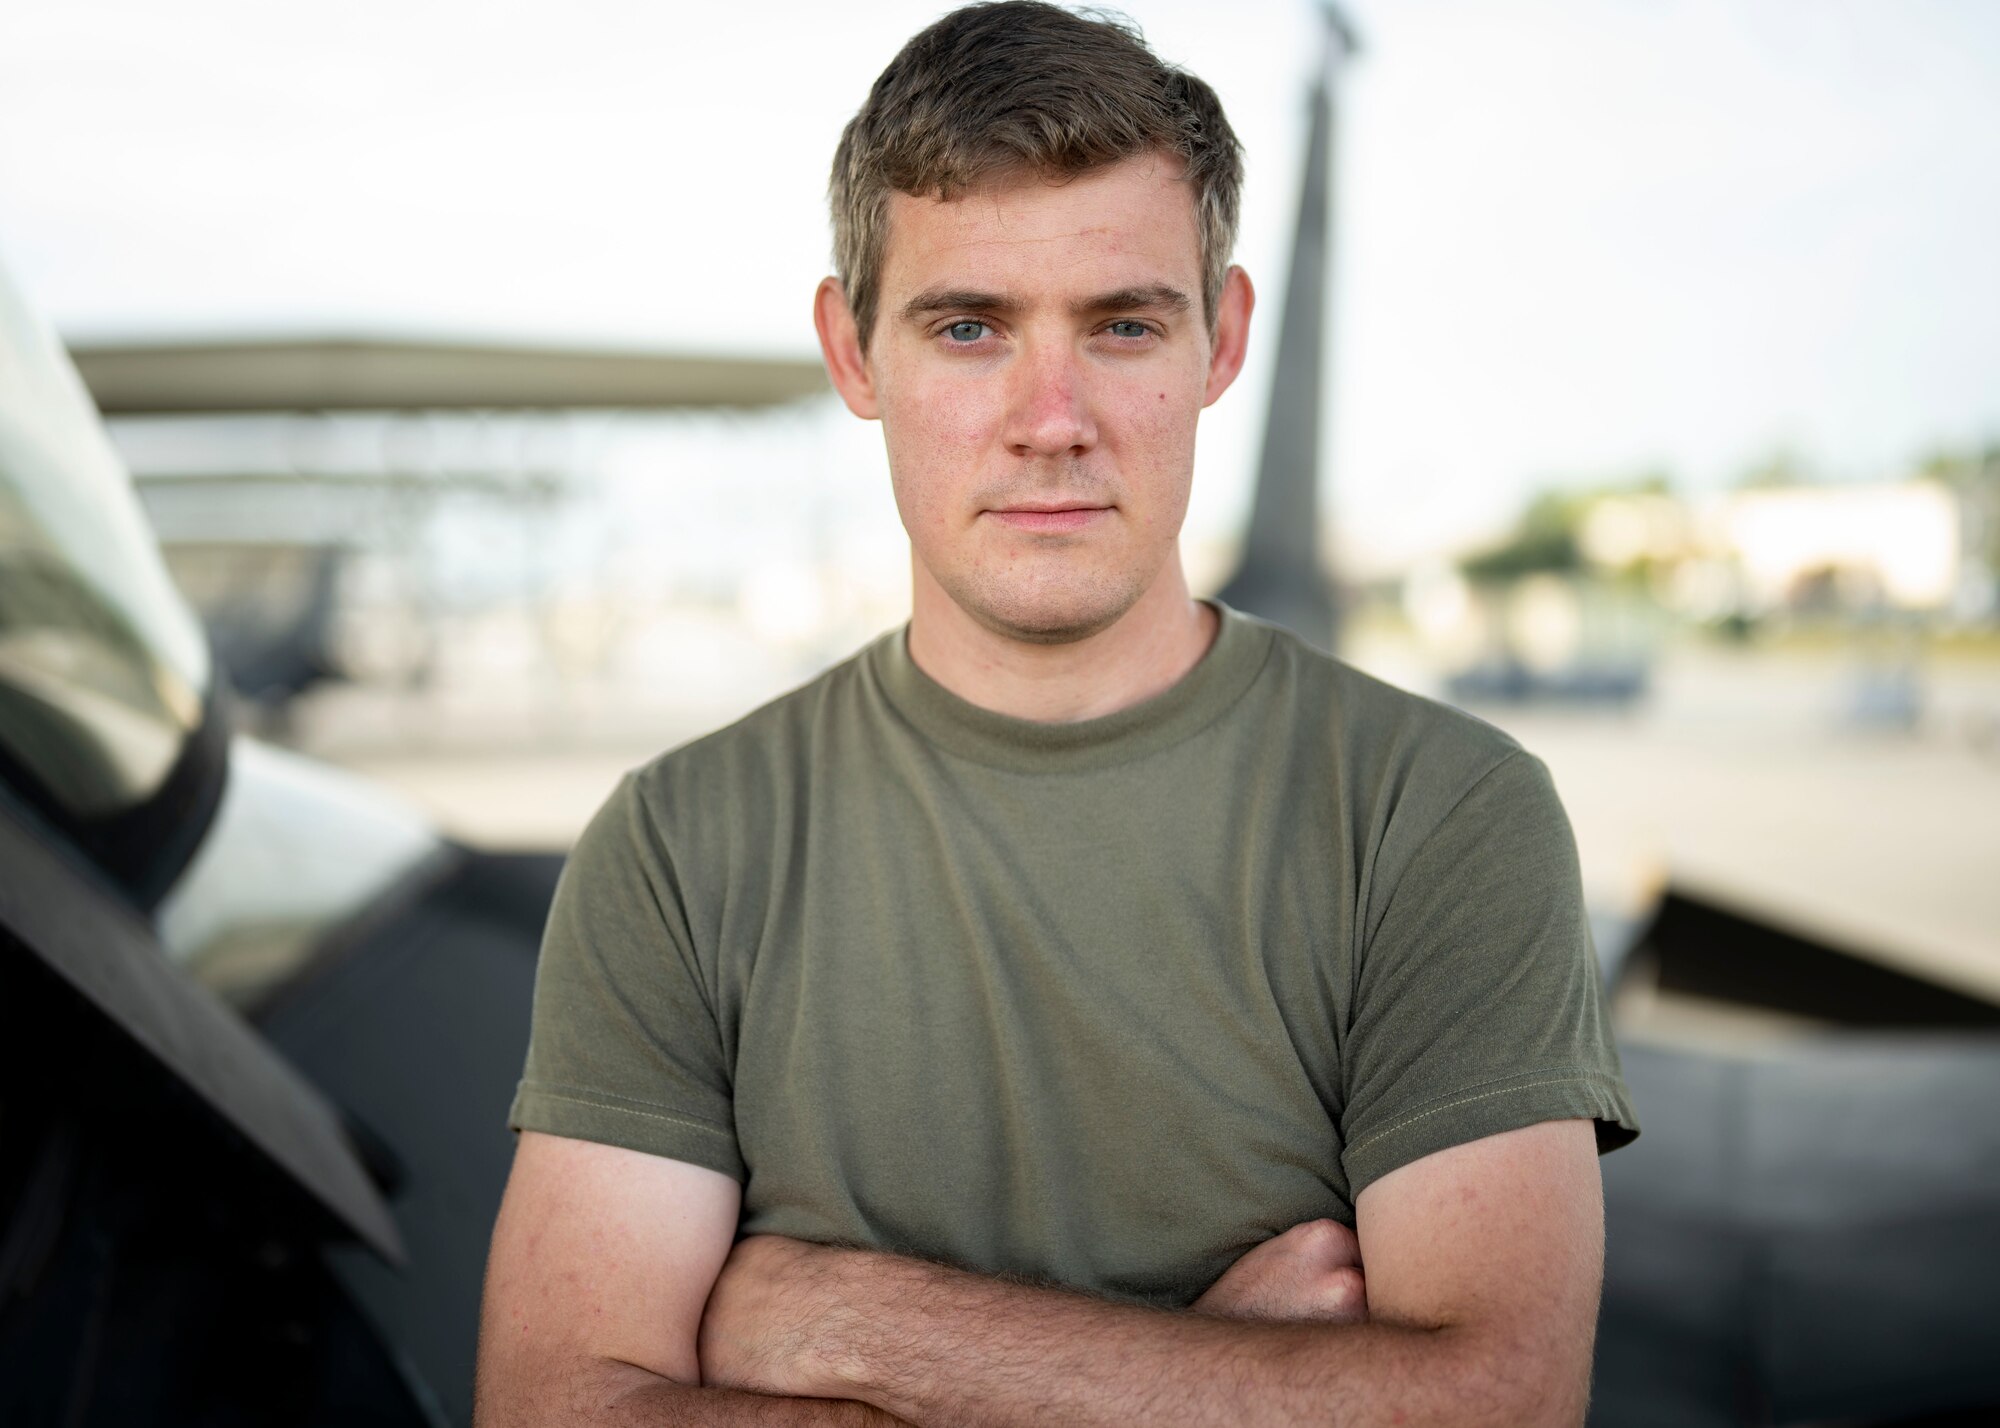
point(1086, 1005)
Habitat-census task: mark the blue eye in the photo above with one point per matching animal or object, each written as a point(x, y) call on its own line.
point(1128, 328)
point(967, 331)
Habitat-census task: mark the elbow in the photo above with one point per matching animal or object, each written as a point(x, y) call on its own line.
point(1511, 1389)
point(1496, 1381)
point(619, 1391)
point(580, 1390)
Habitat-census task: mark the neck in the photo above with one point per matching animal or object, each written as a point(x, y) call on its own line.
point(1145, 652)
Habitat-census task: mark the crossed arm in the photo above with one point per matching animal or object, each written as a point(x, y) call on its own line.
point(614, 1295)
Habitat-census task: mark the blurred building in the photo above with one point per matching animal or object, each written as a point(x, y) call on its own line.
point(1577, 599)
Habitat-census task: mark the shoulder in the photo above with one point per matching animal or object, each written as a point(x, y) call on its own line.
point(1393, 748)
point(757, 762)
point(1441, 802)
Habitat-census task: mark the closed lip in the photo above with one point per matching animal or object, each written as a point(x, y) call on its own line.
point(1050, 518)
point(1051, 507)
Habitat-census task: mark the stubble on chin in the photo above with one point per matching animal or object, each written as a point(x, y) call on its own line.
point(1057, 612)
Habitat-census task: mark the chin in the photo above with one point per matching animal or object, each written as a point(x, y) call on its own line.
point(1045, 616)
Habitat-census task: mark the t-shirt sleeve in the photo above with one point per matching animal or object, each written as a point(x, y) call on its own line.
point(625, 1047)
point(1479, 1007)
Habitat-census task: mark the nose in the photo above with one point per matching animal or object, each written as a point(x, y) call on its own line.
point(1049, 410)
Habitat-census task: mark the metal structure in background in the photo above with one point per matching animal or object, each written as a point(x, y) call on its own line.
point(382, 375)
point(265, 553)
point(1281, 576)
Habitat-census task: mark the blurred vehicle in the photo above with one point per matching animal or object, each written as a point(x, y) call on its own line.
point(259, 1021)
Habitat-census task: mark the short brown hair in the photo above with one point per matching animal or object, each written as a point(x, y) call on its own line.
point(1020, 85)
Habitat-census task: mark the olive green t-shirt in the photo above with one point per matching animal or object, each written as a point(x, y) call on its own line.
point(1105, 1002)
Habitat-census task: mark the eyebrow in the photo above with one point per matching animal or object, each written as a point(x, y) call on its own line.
point(1154, 297)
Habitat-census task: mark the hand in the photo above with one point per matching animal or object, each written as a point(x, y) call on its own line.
point(767, 1325)
point(1311, 1271)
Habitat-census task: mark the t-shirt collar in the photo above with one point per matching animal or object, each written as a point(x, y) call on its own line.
point(1217, 680)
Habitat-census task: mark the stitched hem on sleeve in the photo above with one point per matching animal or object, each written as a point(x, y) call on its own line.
point(655, 1130)
point(1478, 1111)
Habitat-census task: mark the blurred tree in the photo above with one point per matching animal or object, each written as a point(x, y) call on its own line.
point(1967, 470)
point(1544, 537)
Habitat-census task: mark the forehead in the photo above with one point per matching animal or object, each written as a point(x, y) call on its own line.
point(1128, 223)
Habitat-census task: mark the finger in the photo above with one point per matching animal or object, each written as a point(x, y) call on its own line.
point(1339, 1297)
point(1347, 1289)
point(1285, 1269)
point(1318, 1235)
point(1326, 1244)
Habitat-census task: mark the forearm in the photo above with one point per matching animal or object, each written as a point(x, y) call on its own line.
point(618, 1395)
point(684, 1405)
point(937, 1346)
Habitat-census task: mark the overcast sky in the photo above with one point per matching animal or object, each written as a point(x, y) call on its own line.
point(1580, 237)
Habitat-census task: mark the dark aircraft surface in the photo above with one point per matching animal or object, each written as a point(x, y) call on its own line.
point(1807, 1230)
point(259, 1023)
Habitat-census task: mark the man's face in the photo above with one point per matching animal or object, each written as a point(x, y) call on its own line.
point(1039, 360)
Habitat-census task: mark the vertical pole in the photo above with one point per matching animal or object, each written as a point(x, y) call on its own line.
point(1281, 577)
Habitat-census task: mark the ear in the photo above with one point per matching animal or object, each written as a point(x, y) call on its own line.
point(840, 345)
point(1232, 332)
